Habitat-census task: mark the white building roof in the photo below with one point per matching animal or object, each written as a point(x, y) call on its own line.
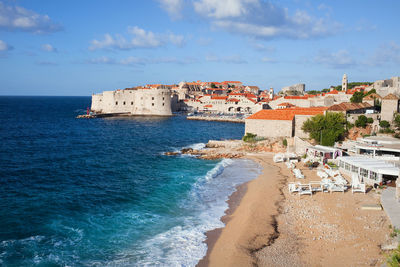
point(371, 164)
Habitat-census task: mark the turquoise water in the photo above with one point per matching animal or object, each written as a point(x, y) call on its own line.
point(101, 193)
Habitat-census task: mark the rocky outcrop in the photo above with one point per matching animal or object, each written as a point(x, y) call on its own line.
point(232, 149)
point(357, 132)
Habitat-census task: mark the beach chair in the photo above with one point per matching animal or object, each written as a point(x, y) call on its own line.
point(305, 189)
point(297, 173)
point(293, 187)
point(279, 157)
point(337, 187)
point(316, 186)
point(322, 174)
point(326, 183)
point(356, 185)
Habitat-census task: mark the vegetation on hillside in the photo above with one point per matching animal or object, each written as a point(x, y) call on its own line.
point(250, 138)
point(326, 129)
point(357, 97)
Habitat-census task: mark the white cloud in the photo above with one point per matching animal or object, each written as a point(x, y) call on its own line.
point(385, 54)
point(178, 40)
point(339, 59)
point(139, 38)
point(222, 9)
point(268, 60)
point(234, 59)
point(262, 19)
point(48, 48)
point(134, 61)
point(173, 7)
point(4, 46)
point(204, 41)
point(262, 47)
point(18, 18)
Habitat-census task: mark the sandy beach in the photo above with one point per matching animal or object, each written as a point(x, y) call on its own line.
point(267, 226)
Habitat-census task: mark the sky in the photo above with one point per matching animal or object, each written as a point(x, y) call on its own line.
point(76, 48)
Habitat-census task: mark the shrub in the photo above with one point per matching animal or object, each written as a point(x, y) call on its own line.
point(397, 121)
point(357, 97)
point(370, 120)
point(386, 130)
point(361, 121)
point(325, 129)
point(249, 137)
point(384, 124)
point(284, 142)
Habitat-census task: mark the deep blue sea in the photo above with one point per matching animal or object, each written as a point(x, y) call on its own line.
point(100, 192)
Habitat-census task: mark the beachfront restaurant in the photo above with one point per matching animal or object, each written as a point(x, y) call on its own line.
point(371, 171)
point(323, 152)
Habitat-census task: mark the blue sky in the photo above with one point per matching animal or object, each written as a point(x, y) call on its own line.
point(72, 47)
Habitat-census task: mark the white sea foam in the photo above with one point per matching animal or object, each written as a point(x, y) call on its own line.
point(218, 169)
point(183, 244)
point(196, 146)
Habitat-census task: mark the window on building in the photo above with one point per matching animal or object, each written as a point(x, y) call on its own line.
point(132, 103)
point(163, 98)
point(163, 104)
point(116, 102)
point(124, 103)
point(373, 176)
point(354, 169)
point(363, 172)
point(152, 98)
point(152, 104)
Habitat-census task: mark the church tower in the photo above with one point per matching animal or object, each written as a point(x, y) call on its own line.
point(271, 93)
point(344, 83)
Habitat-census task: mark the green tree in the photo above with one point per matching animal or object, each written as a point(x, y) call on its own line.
point(357, 97)
point(397, 121)
point(384, 124)
point(325, 90)
point(326, 129)
point(361, 121)
point(370, 120)
point(213, 85)
point(249, 137)
point(373, 91)
point(313, 92)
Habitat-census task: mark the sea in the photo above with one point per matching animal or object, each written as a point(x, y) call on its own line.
point(100, 192)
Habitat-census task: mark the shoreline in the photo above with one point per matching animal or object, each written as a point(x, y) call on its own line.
point(219, 119)
point(262, 234)
point(265, 225)
point(212, 236)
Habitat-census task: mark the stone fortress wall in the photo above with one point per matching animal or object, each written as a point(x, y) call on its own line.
point(296, 89)
point(141, 101)
point(386, 87)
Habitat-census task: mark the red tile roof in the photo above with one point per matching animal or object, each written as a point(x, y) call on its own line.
point(219, 97)
point(285, 114)
point(296, 97)
point(208, 106)
point(391, 97)
point(346, 106)
point(233, 100)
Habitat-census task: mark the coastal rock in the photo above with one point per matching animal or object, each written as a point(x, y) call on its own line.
point(187, 150)
point(171, 153)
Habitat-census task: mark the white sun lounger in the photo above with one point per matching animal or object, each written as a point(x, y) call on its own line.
point(335, 187)
point(294, 187)
point(356, 185)
point(279, 157)
point(297, 173)
point(305, 189)
point(326, 183)
point(316, 186)
point(322, 174)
